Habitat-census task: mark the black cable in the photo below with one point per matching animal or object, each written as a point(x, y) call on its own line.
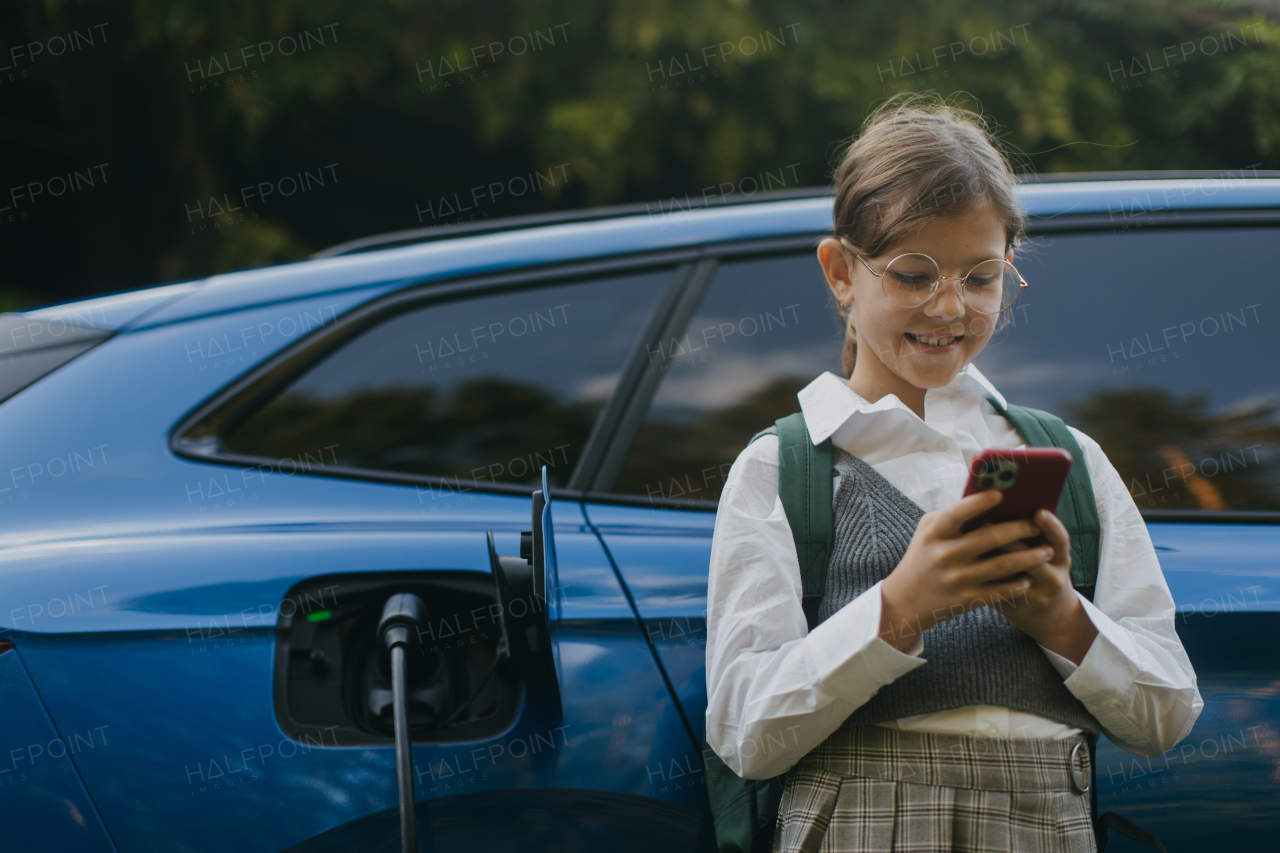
point(401, 616)
point(474, 693)
point(404, 754)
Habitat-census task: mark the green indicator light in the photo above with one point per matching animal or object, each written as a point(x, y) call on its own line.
point(319, 616)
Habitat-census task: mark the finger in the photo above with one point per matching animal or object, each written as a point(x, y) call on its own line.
point(1006, 591)
point(1056, 536)
point(1011, 594)
point(999, 567)
point(1012, 546)
point(953, 517)
point(990, 537)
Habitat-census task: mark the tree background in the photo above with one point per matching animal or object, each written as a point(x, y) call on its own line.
point(1075, 85)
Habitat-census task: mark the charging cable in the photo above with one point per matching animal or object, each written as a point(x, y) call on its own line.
point(398, 630)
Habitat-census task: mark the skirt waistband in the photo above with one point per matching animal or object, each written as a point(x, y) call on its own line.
point(954, 761)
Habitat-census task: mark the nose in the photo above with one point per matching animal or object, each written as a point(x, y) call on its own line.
point(947, 302)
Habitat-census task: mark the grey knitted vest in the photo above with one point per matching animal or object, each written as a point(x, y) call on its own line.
point(977, 658)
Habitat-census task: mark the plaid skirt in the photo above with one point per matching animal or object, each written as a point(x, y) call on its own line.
point(871, 788)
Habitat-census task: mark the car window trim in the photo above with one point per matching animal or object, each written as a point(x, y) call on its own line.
point(241, 398)
point(635, 400)
point(603, 440)
point(1092, 223)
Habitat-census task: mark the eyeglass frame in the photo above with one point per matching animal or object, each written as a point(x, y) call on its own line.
point(1022, 280)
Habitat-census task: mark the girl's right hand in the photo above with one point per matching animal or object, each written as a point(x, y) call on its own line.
point(944, 574)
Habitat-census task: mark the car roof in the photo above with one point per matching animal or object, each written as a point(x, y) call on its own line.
point(633, 229)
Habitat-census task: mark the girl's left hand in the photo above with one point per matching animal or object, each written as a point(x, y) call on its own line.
point(1050, 612)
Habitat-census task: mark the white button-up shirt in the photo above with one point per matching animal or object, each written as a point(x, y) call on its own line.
point(776, 690)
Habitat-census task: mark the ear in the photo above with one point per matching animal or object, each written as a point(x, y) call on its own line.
point(834, 259)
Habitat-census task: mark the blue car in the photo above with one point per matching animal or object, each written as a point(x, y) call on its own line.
point(211, 488)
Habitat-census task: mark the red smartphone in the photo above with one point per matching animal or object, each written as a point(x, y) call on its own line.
point(1031, 478)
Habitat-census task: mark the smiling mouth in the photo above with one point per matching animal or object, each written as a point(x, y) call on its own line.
point(938, 341)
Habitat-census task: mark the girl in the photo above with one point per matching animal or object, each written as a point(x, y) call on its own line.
point(926, 712)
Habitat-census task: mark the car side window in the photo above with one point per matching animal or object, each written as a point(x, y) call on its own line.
point(1160, 345)
point(480, 390)
point(765, 328)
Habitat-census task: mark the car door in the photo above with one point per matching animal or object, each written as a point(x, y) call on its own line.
point(756, 325)
point(229, 660)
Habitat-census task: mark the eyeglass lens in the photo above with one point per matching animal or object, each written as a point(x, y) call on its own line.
point(989, 288)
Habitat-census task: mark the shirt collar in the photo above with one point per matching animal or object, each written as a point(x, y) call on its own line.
point(828, 402)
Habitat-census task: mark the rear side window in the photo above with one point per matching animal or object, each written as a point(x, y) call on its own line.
point(765, 329)
point(479, 390)
point(32, 349)
point(1161, 345)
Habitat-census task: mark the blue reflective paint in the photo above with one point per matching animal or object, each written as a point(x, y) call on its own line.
point(113, 311)
point(1220, 568)
point(43, 805)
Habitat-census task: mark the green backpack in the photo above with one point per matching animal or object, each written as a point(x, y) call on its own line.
point(745, 811)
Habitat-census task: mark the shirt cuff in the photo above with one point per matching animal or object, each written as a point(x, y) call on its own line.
point(850, 659)
point(1110, 667)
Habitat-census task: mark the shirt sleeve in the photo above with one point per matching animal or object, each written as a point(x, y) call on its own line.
point(1136, 677)
point(775, 690)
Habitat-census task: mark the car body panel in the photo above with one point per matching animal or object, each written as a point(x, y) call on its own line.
point(36, 770)
point(182, 676)
point(115, 310)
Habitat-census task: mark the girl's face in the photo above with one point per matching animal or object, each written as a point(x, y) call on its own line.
point(925, 346)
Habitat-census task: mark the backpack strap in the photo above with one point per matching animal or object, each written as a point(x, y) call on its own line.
point(745, 811)
point(1077, 508)
point(804, 484)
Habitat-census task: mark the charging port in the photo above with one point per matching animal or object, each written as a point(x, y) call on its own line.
point(333, 682)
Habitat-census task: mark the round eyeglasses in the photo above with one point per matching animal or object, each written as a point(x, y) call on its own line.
point(912, 279)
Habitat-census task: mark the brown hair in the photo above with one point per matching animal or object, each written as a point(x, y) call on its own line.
point(918, 158)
